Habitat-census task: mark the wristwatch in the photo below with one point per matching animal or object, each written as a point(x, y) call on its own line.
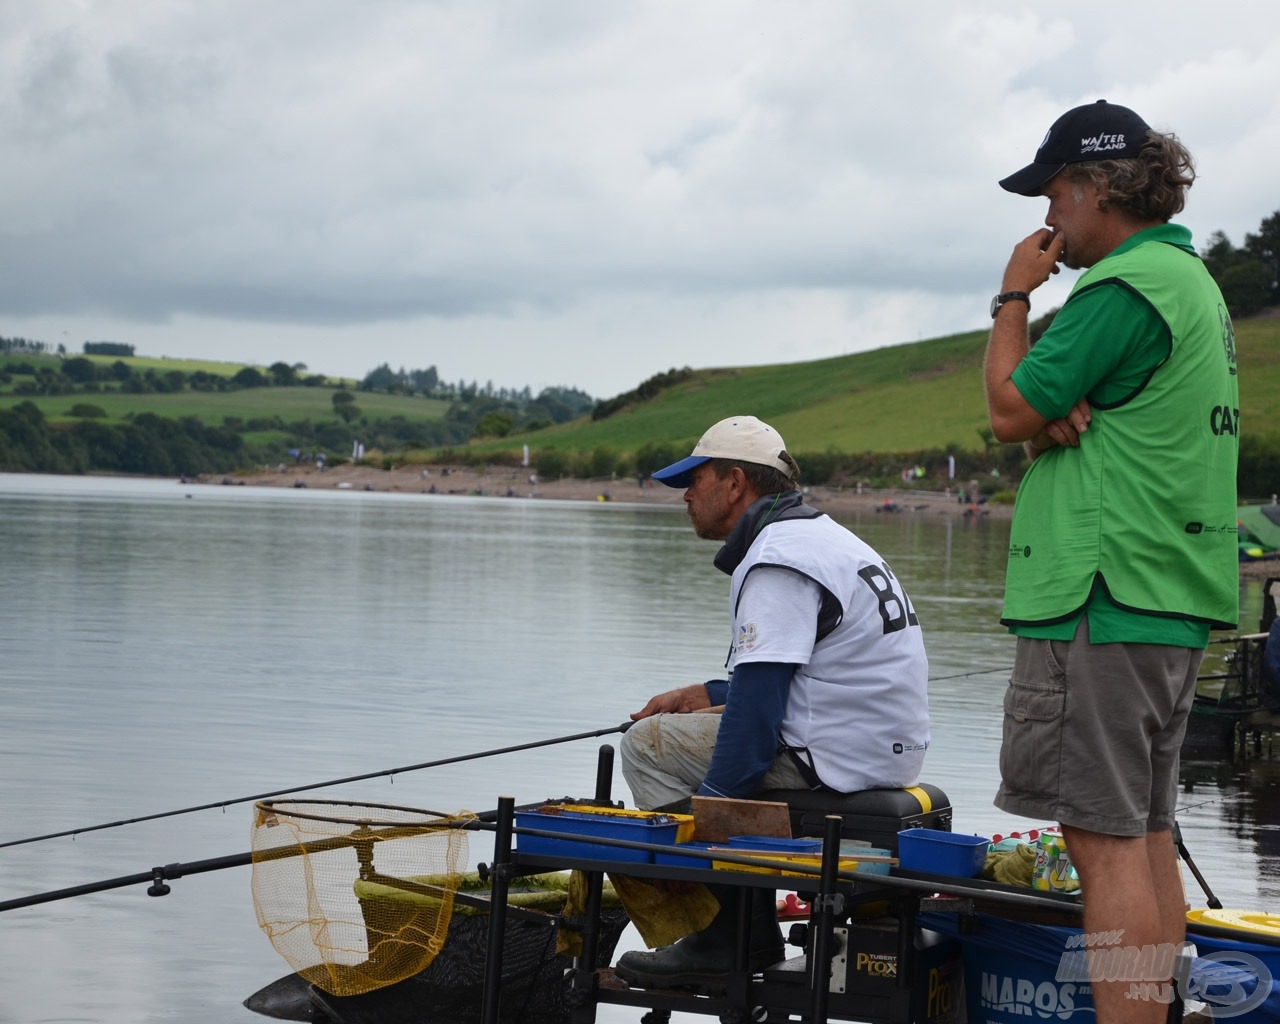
point(1004, 297)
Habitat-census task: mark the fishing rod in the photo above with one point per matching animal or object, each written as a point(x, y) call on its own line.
point(388, 772)
point(157, 876)
point(160, 875)
point(1203, 803)
point(1212, 900)
point(975, 672)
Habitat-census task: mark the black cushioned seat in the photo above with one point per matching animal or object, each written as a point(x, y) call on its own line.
point(872, 815)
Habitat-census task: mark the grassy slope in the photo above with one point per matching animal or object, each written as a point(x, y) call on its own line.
point(865, 402)
point(163, 364)
point(290, 404)
point(1258, 353)
point(905, 397)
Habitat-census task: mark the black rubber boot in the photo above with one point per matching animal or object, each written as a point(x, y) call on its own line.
point(703, 961)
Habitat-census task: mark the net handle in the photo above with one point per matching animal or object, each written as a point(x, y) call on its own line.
point(439, 819)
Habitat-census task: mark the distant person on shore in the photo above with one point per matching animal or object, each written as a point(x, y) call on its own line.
point(1121, 555)
point(826, 661)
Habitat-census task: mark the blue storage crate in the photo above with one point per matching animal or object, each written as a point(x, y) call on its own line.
point(675, 860)
point(578, 828)
point(942, 853)
point(775, 844)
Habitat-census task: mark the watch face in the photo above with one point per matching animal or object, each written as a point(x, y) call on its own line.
point(995, 306)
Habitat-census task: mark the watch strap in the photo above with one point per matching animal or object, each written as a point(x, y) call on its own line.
point(1004, 297)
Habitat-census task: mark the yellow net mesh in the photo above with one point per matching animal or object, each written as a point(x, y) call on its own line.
point(312, 859)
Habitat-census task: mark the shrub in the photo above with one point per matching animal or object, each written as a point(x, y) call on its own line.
point(654, 455)
point(249, 378)
point(648, 390)
point(495, 424)
point(601, 462)
point(550, 463)
point(79, 369)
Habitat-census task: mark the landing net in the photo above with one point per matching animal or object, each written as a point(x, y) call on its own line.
point(308, 858)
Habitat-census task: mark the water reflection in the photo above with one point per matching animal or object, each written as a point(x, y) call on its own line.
point(164, 650)
point(1229, 807)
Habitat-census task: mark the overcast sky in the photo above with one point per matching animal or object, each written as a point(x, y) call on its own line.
point(576, 192)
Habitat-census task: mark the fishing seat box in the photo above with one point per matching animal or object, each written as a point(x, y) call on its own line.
point(866, 981)
point(875, 816)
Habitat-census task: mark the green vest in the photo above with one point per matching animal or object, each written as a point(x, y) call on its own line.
point(1146, 505)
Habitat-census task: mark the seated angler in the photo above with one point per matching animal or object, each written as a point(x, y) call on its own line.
point(828, 676)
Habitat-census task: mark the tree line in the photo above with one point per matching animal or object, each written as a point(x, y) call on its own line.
point(996, 468)
point(107, 348)
point(1248, 276)
point(27, 346)
point(148, 444)
point(490, 411)
point(79, 374)
point(648, 389)
point(28, 442)
point(187, 446)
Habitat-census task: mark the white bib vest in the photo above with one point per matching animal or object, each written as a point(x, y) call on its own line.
point(860, 706)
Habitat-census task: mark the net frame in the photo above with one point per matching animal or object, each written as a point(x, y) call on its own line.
point(308, 856)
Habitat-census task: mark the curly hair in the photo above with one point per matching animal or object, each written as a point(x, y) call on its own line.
point(1151, 186)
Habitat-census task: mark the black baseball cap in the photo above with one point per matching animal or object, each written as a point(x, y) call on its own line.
point(1096, 131)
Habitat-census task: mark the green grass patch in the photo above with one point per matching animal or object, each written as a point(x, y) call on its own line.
point(903, 398)
point(164, 364)
point(36, 362)
point(925, 395)
point(212, 407)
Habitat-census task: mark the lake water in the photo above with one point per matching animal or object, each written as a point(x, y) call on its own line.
point(166, 646)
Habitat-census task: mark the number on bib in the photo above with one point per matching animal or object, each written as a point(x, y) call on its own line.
point(895, 606)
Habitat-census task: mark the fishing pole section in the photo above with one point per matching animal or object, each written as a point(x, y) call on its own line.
point(158, 877)
point(385, 773)
point(389, 773)
point(358, 898)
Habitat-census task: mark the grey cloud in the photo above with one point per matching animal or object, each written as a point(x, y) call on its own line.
point(339, 164)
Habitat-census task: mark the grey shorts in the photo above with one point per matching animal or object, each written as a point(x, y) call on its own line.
point(1092, 733)
point(666, 757)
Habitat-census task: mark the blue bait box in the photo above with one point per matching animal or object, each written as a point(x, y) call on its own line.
point(575, 829)
point(775, 844)
point(676, 860)
point(935, 852)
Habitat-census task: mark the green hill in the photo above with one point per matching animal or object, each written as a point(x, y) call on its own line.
point(904, 398)
point(877, 410)
point(118, 404)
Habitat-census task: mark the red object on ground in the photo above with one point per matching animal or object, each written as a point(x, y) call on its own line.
point(792, 906)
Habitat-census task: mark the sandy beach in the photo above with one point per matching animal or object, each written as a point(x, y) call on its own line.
point(506, 483)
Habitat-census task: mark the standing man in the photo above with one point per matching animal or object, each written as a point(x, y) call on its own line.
point(828, 675)
point(1123, 550)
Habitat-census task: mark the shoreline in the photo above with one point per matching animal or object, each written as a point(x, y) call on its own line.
point(515, 482)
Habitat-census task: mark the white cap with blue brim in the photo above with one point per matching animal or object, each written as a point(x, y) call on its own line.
point(740, 438)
